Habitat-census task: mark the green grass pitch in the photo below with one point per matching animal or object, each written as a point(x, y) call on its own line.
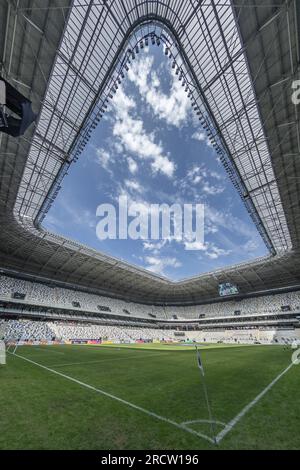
point(137, 397)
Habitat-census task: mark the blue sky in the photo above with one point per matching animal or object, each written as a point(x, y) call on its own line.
point(150, 147)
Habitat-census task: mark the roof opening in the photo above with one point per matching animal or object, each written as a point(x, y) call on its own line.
point(155, 145)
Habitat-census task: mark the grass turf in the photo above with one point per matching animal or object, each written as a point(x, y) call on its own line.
point(41, 410)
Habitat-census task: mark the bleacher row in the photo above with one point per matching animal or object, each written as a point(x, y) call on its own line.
point(26, 330)
point(43, 294)
point(248, 336)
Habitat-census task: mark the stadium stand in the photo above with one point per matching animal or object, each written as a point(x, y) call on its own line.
point(26, 330)
point(126, 334)
point(262, 336)
point(41, 294)
point(70, 314)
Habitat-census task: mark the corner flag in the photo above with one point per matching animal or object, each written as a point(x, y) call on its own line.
point(200, 365)
point(211, 420)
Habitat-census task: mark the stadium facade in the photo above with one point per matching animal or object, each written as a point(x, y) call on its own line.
point(238, 64)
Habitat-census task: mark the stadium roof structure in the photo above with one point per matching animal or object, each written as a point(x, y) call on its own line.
point(237, 60)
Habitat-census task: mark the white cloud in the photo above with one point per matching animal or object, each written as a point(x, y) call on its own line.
point(216, 175)
point(123, 104)
point(214, 252)
point(210, 228)
point(134, 138)
point(202, 177)
point(133, 185)
point(132, 165)
point(118, 147)
point(164, 165)
point(196, 174)
point(210, 249)
point(202, 137)
point(139, 73)
point(158, 265)
point(194, 246)
point(173, 108)
point(155, 247)
point(251, 246)
point(198, 135)
point(103, 158)
point(211, 189)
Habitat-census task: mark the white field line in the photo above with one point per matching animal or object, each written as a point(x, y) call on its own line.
point(120, 400)
point(207, 421)
point(107, 360)
point(242, 413)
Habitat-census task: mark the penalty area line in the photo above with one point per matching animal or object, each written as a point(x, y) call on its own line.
point(229, 426)
point(120, 400)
